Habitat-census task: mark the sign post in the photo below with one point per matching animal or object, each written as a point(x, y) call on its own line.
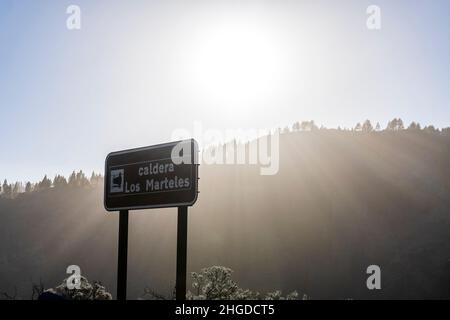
point(159, 176)
point(123, 255)
point(180, 286)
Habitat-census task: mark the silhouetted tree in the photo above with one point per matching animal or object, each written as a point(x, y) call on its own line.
point(367, 126)
point(95, 179)
point(81, 180)
point(414, 126)
point(73, 179)
point(395, 125)
point(430, 129)
point(7, 189)
point(45, 184)
point(59, 181)
point(391, 125)
point(28, 187)
point(308, 126)
point(17, 188)
point(358, 127)
point(378, 127)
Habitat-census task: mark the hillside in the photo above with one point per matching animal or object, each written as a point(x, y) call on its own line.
point(341, 202)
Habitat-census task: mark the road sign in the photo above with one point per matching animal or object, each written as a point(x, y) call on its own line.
point(158, 176)
point(164, 175)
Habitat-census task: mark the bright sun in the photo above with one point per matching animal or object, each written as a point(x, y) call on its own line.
point(236, 64)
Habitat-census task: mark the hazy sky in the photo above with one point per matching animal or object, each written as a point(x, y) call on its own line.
point(137, 70)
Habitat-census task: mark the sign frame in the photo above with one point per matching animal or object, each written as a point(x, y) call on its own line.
point(194, 157)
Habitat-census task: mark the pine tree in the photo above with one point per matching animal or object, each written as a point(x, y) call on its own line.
point(95, 179)
point(430, 129)
point(28, 187)
point(367, 126)
point(73, 179)
point(16, 189)
point(59, 181)
point(391, 125)
point(7, 189)
point(45, 184)
point(378, 127)
point(81, 180)
point(395, 125)
point(308, 126)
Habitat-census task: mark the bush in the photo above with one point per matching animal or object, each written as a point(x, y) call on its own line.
point(87, 291)
point(216, 283)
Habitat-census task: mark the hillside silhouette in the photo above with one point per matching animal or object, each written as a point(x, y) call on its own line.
point(342, 200)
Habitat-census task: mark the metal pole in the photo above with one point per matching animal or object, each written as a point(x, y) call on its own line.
point(123, 255)
point(181, 253)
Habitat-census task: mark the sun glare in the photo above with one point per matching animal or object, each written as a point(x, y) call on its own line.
point(237, 65)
